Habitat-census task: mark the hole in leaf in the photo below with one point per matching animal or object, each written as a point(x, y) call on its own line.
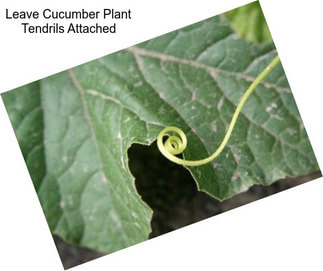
point(171, 192)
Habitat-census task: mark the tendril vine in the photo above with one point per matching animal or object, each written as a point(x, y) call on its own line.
point(176, 144)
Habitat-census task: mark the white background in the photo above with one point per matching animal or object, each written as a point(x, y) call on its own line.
point(280, 232)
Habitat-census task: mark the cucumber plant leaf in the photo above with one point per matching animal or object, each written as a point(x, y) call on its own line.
point(74, 128)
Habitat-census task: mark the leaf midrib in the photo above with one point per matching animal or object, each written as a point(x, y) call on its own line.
point(89, 122)
point(196, 64)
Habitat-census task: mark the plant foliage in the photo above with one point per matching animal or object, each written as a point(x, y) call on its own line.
point(74, 128)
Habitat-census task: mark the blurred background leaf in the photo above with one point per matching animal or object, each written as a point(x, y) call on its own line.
point(249, 22)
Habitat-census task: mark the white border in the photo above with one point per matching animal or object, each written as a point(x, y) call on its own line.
point(281, 232)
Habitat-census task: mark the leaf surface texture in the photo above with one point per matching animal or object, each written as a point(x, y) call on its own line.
point(75, 127)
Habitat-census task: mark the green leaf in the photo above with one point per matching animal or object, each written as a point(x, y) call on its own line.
point(249, 22)
point(85, 119)
point(26, 115)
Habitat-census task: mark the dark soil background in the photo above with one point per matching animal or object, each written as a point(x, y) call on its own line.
point(171, 192)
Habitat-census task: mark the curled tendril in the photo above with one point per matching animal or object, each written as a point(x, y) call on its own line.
point(176, 144)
